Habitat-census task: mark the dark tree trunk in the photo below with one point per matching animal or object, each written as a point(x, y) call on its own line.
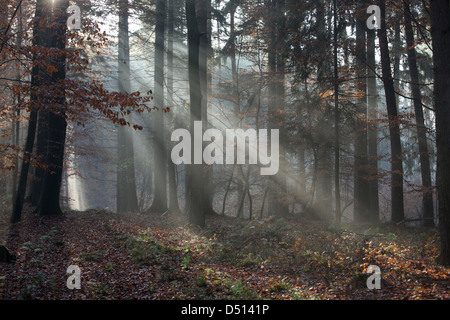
point(361, 193)
point(16, 131)
point(397, 207)
point(372, 130)
point(440, 21)
point(51, 182)
point(337, 188)
point(196, 208)
point(277, 196)
point(324, 182)
point(42, 117)
point(203, 16)
point(41, 151)
point(22, 185)
point(159, 204)
point(397, 47)
point(427, 195)
point(39, 36)
point(42, 136)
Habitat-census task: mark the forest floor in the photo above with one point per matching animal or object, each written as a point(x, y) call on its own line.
point(136, 256)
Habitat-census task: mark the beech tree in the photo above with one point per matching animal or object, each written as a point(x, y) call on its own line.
point(36, 73)
point(49, 203)
point(126, 181)
point(159, 204)
point(361, 210)
point(424, 155)
point(397, 207)
point(372, 128)
point(276, 67)
point(195, 175)
point(174, 206)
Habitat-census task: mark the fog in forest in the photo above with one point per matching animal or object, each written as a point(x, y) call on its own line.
point(334, 112)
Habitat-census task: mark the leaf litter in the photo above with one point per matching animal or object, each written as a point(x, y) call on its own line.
point(139, 256)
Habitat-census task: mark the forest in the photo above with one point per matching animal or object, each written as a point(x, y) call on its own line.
point(224, 150)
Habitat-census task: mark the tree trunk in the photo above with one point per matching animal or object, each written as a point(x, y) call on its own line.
point(126, 179)
point(397, 207)
point(323, 184)
point(397, 47)
point(227, 190)
point(277, 196)
point(440, 21)
point(38, 35)
point(337, 188)
point(159, 204)
point(174, 206)
point(236, 101)
point(196, 208)
point(361, 192)
point(427, 195)
point(51, 182)
point(372, 134)
point(204, 16)
point(43, 119)
point(41, 151)
point(16, 131)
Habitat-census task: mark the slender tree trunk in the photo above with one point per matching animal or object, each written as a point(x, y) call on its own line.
point(372, 113)
point(173, 197)
point(196, 208)
point(126, 180)
point(324, 182)
point(227, 190)
point(41, 151)
point(440, 21)
point(278, 199)
point(261, 213)
point(16, 139)
point(427, 195)
point(397, 50)
point(337, 176)
point(203, 16)
point(234, 74)
point(397, 207)
point(360, 184)
point(242, 198)
point(237, 108)
point(302, 149)
point(159, 204)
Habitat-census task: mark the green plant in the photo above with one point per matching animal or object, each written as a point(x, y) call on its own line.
point(185, 263)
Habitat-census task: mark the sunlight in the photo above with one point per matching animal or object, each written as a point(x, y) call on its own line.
point(76, 193)
point(229, 150)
